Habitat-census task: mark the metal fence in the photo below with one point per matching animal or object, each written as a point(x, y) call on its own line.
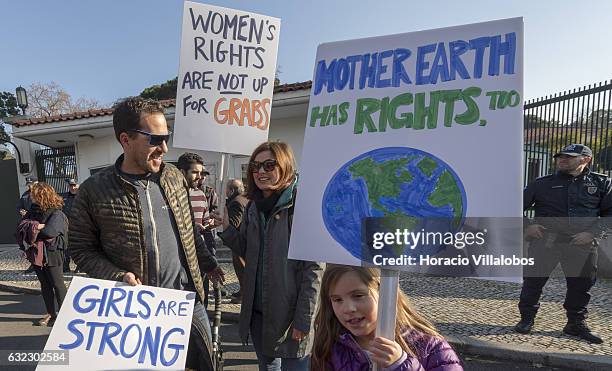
point(55, 165)
point(582, 115)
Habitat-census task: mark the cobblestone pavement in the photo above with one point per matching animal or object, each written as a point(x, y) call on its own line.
point(487, 310)
point(463, 307)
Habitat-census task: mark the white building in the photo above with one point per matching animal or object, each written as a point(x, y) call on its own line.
point(92, 136)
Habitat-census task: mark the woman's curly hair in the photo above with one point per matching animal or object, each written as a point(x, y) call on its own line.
point(45, 196)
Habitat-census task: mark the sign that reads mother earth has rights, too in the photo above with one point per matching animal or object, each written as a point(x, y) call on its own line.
point(226, 79)
point(417, 125)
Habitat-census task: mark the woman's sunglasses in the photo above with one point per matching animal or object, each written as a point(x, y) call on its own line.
point(267, 165)
point(154, 139)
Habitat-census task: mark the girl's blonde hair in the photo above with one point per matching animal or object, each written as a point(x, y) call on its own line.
point(45, 196)
point(328, 328)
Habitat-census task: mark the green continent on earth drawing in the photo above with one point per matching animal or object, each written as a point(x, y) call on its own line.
point(392, 182)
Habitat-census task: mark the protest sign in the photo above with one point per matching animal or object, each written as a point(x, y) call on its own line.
point(226, 79)
point(107, 325)
point(416, 125)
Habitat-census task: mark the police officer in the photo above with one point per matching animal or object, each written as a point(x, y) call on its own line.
point(565, 230)
point(25, 201)
point(73, 189)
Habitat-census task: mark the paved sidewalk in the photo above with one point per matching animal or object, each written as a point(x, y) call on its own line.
point(477, 316)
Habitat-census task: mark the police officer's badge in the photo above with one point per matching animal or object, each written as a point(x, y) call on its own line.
point(591, 190)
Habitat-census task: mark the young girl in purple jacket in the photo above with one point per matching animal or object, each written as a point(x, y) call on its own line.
point(345, 327)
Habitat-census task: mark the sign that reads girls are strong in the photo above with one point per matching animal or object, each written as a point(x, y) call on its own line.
point(106, 325)
point(226, 79)
point(417, 125)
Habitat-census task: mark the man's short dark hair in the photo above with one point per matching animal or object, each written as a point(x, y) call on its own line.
point(187, 159)
point(126, 113)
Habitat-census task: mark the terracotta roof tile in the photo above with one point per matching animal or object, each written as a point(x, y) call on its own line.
point(109, 111)
point(293, 87)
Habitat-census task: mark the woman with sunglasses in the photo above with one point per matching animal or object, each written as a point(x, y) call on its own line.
point(279, 295)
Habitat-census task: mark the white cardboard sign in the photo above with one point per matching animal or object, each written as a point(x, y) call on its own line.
point(422, 124)
point(107, 325)
point(226, 79)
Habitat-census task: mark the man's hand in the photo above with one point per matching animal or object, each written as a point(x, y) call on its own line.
point(200, 227)
point(40, 226)
point(22, 212)
point(582, 238)
point(384, 352)
point(297, 335)
point(131, 279)
point(217, 275)
point(535, 231)
point(220, 220)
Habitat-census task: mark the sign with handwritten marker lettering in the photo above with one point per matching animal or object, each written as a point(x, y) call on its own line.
point(226, 79)
point(107, 325)
point(417, 125)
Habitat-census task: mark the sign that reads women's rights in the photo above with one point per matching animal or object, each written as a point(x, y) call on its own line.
point(226, 79)
point(416, 125)
point(108, 325)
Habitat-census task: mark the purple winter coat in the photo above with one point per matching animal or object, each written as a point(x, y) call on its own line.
point(431, 354)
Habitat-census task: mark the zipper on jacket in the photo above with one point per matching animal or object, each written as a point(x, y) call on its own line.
point(154, 232)
point(363, 352)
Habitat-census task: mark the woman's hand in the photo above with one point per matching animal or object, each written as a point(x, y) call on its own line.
point(40, 226)
point(384, 352)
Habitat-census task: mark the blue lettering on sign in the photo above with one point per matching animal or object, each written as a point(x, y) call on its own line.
point(422, 65)
point(457, 48)
point(111, 299)
point(149, 344)
point(436, 62)
point(122, 348)
point(182, 311)
point(176, 347)
point(152, 345)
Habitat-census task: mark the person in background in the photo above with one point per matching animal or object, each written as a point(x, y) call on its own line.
point(236, 203)
point(572, 213)
point(46, 246)
point(192, 167)
point(279, 295)
point(23, 206)
point(73, 188)
point(211, 195)
point(25, 201)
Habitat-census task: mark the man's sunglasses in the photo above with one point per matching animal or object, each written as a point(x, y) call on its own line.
point(267, 165)
point(154, 139)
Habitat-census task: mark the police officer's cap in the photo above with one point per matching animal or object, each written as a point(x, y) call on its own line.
point(72, 181)
point(575, 150)
point(30, 180)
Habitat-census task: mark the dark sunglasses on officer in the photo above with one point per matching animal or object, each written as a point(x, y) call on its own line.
point(268, 165)
point(155, 140)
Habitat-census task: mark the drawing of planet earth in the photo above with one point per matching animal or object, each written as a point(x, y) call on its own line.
point(391, 182)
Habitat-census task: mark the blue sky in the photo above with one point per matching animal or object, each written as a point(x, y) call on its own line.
point(111, 49)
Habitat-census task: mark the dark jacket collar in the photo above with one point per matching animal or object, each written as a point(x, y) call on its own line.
point(119, 173)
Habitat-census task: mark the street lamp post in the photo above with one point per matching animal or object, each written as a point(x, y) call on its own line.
point(22, 102)
point(23, 167)
point(22, 98)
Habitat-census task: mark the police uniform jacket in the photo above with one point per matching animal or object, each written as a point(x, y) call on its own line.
point(567, 205)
